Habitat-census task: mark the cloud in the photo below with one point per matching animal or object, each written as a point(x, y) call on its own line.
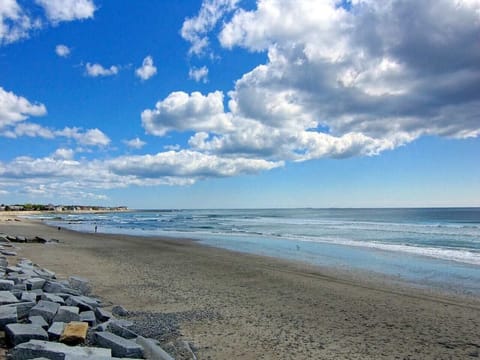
point(135, 143)
point(199, 74)
point(67, 10)
point(95, 70)
point(62, 50)
point(17, 19)
point(344, 81)
point(185, 163)
point(14, 108)
point(30, 130)
point(181, 111)
point(195, 29)
point(61, 174)
point(62, 153)
point(147, 70)
point(90, 137)
point(14, 22)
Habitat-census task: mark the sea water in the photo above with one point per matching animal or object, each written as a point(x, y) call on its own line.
point(438, 247)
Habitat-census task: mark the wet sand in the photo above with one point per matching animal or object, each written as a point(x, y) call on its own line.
point(263, 308)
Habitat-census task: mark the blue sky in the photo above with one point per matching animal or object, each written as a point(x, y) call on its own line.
point(231, 103)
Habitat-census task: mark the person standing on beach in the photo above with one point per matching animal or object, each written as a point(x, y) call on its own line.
point(95, 229)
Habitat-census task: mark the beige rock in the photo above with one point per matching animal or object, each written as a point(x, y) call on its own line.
point(74, 333)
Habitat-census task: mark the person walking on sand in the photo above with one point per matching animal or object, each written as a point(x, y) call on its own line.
point(95, 228)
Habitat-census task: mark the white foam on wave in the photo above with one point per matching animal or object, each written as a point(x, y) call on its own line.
point(457, 255)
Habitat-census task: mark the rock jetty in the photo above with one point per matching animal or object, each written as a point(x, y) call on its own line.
point(43, 317)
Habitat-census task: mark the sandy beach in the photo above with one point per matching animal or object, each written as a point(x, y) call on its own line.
point(250, 307)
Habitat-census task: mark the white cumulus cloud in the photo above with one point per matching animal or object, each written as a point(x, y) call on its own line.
point(14, 22)
point(62, 50)
point(182, 111)
point(340, 80)
point(96, 70)
point(15, 108)
point(198, 74)
point(195, 29)
point(147, 70)
point(90, 137)
point(67, 10)
point(135, 143)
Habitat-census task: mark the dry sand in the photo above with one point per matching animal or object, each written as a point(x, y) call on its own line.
point(267, 308)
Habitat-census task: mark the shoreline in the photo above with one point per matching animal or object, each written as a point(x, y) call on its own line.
point(267, 307)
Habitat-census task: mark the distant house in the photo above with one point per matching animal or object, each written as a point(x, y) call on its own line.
point(58, 208)
point(2, 208)
point(16, 207)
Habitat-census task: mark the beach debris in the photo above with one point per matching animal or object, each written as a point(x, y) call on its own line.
point(44, 317)
point(74, 333)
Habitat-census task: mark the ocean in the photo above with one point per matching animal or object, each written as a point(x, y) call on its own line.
point(435, 247)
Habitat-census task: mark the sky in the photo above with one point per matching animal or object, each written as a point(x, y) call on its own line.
point(240, 103)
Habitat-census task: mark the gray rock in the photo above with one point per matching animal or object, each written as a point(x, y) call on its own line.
point(17, 278)
point(6, 284)
point(20, 286)
point(46, 309)
point(39, 321)
point(88, 317)
point(80, 284)
point(6, 297)
point(102, 314)
point(8, 315)
point(117, 329)
point(56, 330)
point(8, 253)
point(35, 283)
point(28, 296)
point(56, 287)
point(13, 269)
point(85, 303)
point(67, 314)
point(20, 333)
point(64, 296)
point(74, 357)
point(53, 298)
point(17, 293)
point(119, 310)
point(120, 347)
point(101, 327)
point(45, 274)
point(152, 349)
point(183, 348)
point(55, 351)
point(23, 308)
point(20, 239)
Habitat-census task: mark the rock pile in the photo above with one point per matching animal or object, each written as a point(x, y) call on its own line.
point(46, 318)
